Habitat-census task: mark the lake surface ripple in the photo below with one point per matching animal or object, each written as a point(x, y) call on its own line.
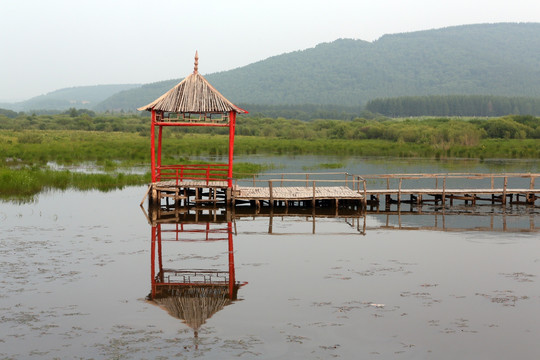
point(77, 283)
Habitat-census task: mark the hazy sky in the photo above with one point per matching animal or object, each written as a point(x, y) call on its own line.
point(51, 44)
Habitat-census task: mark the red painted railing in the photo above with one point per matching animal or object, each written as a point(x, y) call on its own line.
point(206, 172)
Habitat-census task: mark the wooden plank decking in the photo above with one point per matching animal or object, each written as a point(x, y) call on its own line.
point(355, 193)
point(295, 193)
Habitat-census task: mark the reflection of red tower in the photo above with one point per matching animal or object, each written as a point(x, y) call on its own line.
point(192, 295)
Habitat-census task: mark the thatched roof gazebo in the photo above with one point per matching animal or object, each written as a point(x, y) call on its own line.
point(192, 102)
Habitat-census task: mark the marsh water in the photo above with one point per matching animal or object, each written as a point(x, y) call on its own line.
point(78, 278)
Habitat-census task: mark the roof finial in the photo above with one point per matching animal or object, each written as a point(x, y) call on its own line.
point(196, 68)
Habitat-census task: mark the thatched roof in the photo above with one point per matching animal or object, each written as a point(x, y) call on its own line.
point(194, 305)
point(194, 94)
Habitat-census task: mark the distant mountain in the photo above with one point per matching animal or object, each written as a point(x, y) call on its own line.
point(486, 59)
point(80, 97)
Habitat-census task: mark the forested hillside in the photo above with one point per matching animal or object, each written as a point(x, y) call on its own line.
point(79, 97)
point(487, 59)
point(454, 105)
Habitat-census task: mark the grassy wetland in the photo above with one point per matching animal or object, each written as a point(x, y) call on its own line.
point(115, 144)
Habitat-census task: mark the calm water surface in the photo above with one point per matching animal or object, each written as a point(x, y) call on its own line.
point(76, 276)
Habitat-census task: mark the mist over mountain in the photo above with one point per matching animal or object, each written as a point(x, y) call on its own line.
point(486, 59)
point(80, 97)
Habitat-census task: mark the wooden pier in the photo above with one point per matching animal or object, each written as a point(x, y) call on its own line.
point(471, 188)
point(352, 191)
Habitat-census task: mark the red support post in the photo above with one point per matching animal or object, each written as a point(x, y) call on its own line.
point(232, 124)
point(153, 261)
point(159, 154)
point(153, 146)
point(160, 255)
point(232, 276)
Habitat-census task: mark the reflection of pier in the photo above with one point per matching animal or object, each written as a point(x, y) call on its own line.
point(194, 294)
point(438, 219)
point(353, 218)
point(410, 217)
point(180, 217)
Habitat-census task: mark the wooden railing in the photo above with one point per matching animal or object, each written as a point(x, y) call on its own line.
point(440, 180)
point(521, 182)
point(204, 172)
point(281, 179)
point(308, 180)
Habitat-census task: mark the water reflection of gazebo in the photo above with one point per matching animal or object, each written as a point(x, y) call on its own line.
point(192, 295)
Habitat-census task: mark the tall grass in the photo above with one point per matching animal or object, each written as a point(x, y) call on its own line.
point(26, 182)
point(24, 154)
point(112, 150)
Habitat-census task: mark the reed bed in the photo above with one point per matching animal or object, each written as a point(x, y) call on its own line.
point(25, 155)
point(25, 183)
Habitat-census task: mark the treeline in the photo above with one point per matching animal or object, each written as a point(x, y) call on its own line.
point(454, 105)
point(306, 112)
point(76, 119)
point(441, 132)
point(435, 131)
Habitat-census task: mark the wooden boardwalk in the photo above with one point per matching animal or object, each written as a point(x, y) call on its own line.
point(282, 194)
point(471, 188)
point(352, 190)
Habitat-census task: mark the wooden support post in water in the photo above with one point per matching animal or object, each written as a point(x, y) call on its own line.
point(313, 200)
point(154, 196)
point(399, 192)
point(364, 226)
point(365, 196)
point(271, 193)
point(504, 190)
point(444, 190)
point(314, 217)
point(271, 222)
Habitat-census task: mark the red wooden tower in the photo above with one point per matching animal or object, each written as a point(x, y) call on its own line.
point(192, 102)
